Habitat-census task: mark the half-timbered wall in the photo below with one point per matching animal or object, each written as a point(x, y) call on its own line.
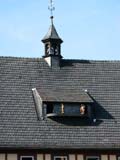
point(40, 156)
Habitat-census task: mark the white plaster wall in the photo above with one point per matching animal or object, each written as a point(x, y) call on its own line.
point(2, 156)
point(47, 157)
point(71, 157)
point(39, 156)
point(80, 157)
point(112, 157)
point(104, 157)
point(11, 156)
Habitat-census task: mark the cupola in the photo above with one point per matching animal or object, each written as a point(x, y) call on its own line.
point(52, 43)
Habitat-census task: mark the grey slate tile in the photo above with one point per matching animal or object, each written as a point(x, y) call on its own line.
point(19, 126)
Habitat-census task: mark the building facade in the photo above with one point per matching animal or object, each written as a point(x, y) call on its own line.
point(57, 109)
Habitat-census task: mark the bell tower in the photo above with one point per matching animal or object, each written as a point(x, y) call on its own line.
point(52, 42)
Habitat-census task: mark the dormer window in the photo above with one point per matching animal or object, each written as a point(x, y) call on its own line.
point(68, 110)
point(50, 107)
point(54, 105)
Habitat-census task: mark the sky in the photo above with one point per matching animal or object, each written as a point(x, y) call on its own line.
point(90, 29)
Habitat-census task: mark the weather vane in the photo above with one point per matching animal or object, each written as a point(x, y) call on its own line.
point(51, 8)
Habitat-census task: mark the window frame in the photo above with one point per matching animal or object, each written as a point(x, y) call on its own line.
point(87, 157)
point(118, 158)
point(66, 158)
point(27, 157)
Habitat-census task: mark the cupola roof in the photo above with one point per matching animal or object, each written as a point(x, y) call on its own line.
point(52, 34)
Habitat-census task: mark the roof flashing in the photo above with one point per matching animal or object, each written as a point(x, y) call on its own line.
point(38, 104)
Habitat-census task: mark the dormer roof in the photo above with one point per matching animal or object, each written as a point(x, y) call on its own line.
point(64, 95)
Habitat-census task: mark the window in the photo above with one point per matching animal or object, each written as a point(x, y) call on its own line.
point(92, 158)
point(50, 108)
point(60, 158)
point(26, 158)
point(83, 109)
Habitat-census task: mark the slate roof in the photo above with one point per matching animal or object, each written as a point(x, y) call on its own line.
point(19, 126)
point(64, 95)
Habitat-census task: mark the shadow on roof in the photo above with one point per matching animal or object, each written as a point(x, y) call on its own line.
point(100, 114)
point(76, 121)
point(99, 111)
point(65, 62)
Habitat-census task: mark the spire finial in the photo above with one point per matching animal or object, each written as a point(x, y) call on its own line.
point(51, 8)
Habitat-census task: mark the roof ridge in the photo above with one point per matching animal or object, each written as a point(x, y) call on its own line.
point(13, 57)
point(90, 60)
point(82, 60)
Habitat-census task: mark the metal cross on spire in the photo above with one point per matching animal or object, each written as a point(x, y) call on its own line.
point(51, 8)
